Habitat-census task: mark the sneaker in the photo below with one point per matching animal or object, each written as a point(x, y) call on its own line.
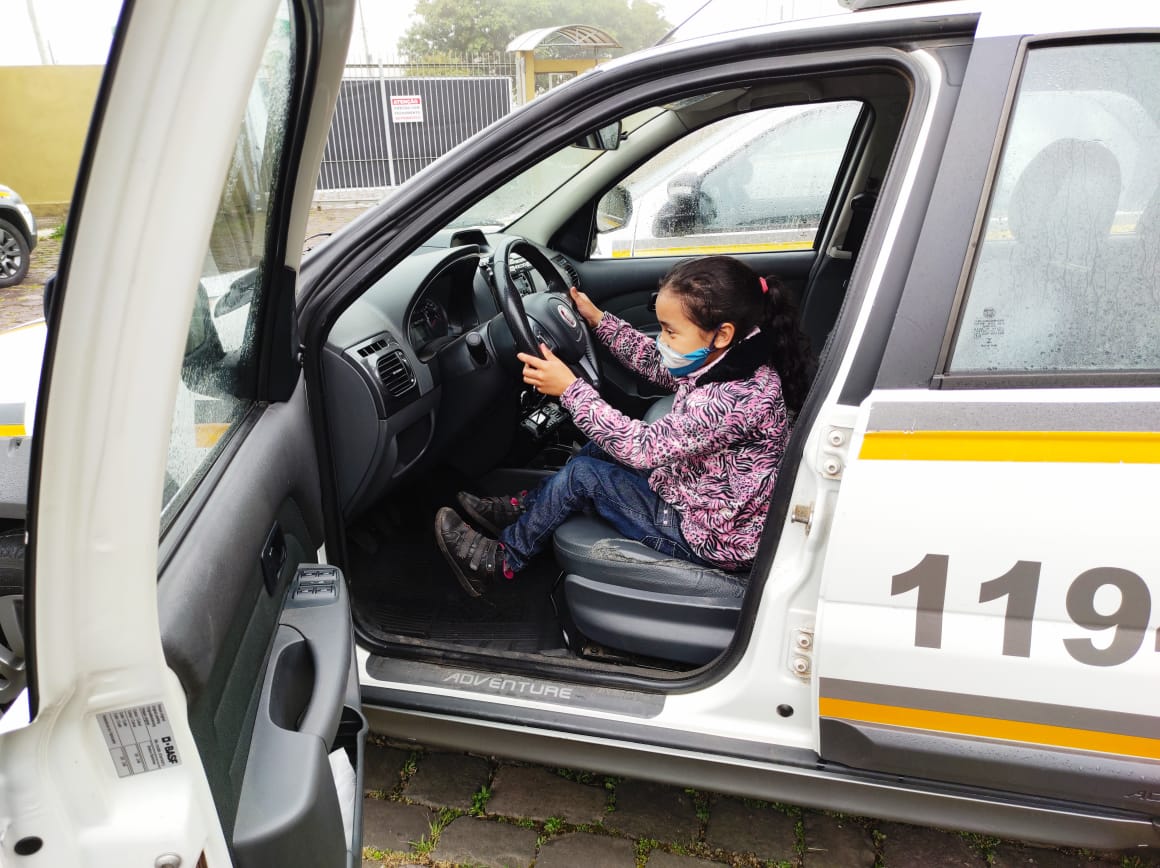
point(492, 514)
point(476, 560)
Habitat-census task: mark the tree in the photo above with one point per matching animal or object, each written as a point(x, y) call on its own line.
point(475, 26)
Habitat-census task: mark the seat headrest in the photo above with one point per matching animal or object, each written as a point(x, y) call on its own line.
point(1066, 198)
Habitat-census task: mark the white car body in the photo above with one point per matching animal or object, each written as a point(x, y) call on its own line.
point(21, 350)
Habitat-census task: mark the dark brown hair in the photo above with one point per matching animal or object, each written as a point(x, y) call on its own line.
point(720, 289)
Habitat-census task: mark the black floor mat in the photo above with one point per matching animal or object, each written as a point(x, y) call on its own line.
point(402, 587)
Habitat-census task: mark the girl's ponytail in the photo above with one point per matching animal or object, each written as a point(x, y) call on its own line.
point(789, 348)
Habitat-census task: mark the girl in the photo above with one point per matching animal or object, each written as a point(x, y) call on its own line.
point(696, 483)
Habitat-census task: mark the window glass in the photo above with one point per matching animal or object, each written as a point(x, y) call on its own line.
point(1067, 277)
point(757, 181)
point(528, 189)
point(217, 370)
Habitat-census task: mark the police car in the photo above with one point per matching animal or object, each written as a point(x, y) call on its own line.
point(954, 615)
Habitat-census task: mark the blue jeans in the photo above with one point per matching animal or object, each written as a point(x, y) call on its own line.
point(593, 482)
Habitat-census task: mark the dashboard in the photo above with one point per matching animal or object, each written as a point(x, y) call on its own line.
point(413, 370)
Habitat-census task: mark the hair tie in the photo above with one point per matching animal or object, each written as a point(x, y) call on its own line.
point(764, 286)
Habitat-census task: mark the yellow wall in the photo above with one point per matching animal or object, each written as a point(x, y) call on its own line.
point(533, 64)
point(43, 124)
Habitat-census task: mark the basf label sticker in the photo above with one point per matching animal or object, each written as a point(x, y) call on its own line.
point(139, 739)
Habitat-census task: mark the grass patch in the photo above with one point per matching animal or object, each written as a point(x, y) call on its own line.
point(387, 858)
point(610, 785)
point(577, 776)
point(643, 849)
point(410, 766)
point(405, 774)
point(479, 801)
point(425, 845)
point(984, 845)
point(700, 804)
point(428, 842)
point(879, 840)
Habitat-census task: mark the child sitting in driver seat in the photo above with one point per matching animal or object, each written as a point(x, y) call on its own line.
point(695, 484)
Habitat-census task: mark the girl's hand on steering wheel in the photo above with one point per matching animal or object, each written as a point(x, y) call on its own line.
point(584, 306)
point(549, 375)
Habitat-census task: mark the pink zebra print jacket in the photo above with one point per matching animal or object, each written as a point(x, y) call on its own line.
point(715, 456)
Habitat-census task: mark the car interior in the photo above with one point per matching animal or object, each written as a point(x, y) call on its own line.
point(423, 398)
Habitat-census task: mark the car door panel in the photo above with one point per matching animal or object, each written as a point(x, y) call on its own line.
point(980, 616)
point(299, 717)
point(985, 618)
point(215, 642)
point(189, 631)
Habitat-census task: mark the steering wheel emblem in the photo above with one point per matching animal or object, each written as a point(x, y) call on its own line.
point(566, 314)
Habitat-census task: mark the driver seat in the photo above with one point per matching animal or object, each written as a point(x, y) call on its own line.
point(627, 596)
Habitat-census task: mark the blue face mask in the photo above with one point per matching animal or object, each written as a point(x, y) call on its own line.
point(680, 364)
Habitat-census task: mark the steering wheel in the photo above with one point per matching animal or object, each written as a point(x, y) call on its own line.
point(544, 317)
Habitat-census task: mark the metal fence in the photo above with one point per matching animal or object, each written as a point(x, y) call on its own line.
point(392, 120)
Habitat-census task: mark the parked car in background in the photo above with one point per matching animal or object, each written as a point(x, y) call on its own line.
point(748, 183)
point(17, 237)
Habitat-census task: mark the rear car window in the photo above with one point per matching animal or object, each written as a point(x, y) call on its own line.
point(1067, 274)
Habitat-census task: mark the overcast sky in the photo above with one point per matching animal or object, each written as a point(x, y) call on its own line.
point(79, 31)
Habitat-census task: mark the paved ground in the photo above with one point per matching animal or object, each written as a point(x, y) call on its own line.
point(22, 303)
point(428, 808)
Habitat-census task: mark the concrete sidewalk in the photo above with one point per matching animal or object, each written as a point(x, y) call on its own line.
point(429, 808)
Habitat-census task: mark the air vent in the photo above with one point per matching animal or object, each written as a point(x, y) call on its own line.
point(396, 374)
point(371, 349)
point(573, 274)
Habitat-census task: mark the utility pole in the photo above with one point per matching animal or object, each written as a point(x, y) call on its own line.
point(41, 45)
point(362, 21)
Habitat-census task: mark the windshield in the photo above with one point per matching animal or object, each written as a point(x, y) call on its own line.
point(535, 184)
point(529, 188)
point(724, 16)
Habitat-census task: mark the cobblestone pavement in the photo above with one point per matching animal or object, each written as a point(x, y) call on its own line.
point(430, 808)
point(22, 303)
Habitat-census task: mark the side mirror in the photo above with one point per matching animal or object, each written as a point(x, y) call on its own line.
point(684, 188)
point(241, 291)
point(614, 209)
point(201, 368)
point(606, 138)
point(687, 209)
point(49, 297)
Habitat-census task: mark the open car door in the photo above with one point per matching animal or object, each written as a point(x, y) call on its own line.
point(191, 691)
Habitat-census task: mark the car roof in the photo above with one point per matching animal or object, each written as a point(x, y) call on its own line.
point(727, 18)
